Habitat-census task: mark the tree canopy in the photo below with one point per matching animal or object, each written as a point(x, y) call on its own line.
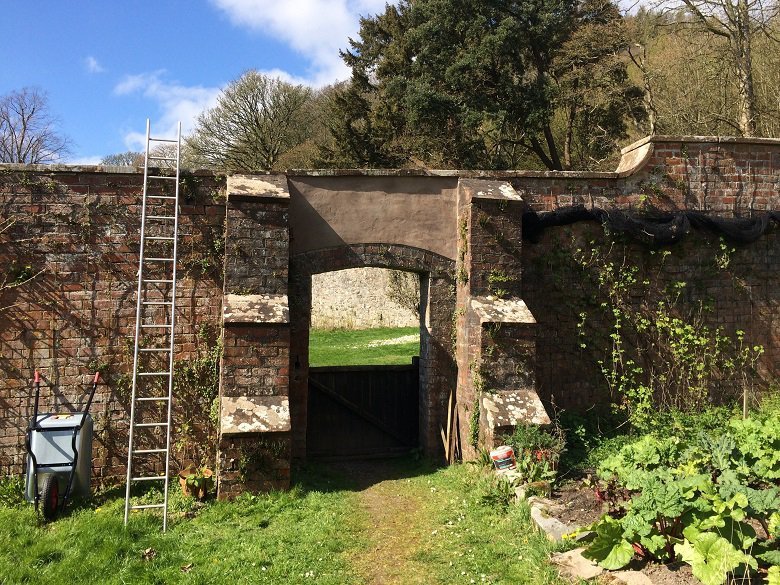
point(476, 84)
point(257, 119)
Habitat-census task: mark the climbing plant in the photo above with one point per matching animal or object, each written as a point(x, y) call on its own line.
point(660, 349)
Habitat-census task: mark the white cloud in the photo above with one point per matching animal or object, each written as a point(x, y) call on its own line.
point(84, 160)
point(175, 102)
point(92, 65)
point(317, 29)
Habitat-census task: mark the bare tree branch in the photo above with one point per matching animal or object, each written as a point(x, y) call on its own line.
point(28, 132)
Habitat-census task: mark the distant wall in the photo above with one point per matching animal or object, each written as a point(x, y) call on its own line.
point(356, 299)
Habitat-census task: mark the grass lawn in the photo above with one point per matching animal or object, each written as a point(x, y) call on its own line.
point(449, 525)
point(380, 346)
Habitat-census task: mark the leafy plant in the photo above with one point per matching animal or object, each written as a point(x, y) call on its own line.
point(12, 490)
point(698, 498)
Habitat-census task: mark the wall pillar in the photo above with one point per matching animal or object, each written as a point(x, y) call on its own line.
point(496, 333)
point(254, 443)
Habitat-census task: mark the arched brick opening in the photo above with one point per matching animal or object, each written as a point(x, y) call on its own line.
point(438, 372)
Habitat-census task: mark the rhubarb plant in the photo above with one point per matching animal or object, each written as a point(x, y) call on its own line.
point(698, 499)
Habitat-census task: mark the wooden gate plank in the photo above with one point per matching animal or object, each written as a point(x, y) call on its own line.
point(333, 395)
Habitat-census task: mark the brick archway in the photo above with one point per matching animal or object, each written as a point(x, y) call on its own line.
point(438, 373)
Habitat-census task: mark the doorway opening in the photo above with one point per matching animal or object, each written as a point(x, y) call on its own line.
point(364, 374)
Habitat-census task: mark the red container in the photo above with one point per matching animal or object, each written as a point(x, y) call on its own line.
point(503, 457)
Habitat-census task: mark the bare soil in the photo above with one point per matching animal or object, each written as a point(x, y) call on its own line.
point(579, 506)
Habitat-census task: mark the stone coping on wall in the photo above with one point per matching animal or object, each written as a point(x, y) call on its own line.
point(699, 140)
point(495, 310)
point(257, 187)
point(490, 190)
point(508, 408)
point(254, 414)
point(258, 309)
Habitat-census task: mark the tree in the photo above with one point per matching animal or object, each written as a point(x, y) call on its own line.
point(256, 121)
point(474, 84)
point(28, 133)
point(131, 158)
point(737, 23)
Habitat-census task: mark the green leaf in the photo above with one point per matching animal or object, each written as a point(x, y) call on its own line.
point(609, 549)
point(773, 576)
point(771, 557)
point(711, 557)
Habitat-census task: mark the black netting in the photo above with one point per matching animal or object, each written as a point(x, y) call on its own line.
point(658, 229)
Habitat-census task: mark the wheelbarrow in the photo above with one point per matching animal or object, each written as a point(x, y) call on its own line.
point(59, 455)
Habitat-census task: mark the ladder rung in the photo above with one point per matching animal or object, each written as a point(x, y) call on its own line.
point(159, 259)
point(166, 325)
point(149, 478)
point(158, 302)
point(159, 280)
point(160, 196)
point(162, 158)
point(147, 349)
point(144, 451)
point(155, 424)
point(153, 399)
point(161, 177)
point(154, 373)
point(146, 506)
point(160, 217)
point(174, 140)
point(165, 238)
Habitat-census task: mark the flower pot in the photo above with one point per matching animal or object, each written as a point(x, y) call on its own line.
point(196, 482)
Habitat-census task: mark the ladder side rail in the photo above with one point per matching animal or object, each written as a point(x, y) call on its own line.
point(137, 326)
point(173, 326)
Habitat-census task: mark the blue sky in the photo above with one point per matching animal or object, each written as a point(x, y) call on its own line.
point(108, 65)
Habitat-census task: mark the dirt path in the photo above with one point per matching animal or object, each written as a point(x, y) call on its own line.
point(396, 521)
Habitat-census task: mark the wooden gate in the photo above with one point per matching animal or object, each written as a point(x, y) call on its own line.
point(362, 411)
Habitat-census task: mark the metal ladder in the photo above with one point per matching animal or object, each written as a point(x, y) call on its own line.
point(152, 393)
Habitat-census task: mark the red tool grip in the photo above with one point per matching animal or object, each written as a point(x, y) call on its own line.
point(37, 377)
point(97, 377)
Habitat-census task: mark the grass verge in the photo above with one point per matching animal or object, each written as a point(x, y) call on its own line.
point(379, 346)
point(461, 529)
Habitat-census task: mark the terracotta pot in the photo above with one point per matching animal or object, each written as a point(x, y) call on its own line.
point(199, 491)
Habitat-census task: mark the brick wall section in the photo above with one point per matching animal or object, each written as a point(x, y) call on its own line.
point(80, 229)
point(743, 296)
point(256, 357)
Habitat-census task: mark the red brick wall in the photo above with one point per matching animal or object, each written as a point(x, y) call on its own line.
point(724, 178)
point(80, 229)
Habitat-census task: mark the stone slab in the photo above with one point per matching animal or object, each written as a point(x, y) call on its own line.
point(574, 565)
point(257, 186)
point(495, 310)
point(512, 407)
point(258, 309)
point(487, 189)
point(254, 414)
point(551, 526)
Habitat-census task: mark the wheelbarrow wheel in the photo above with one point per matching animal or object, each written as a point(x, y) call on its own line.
point(50, 494)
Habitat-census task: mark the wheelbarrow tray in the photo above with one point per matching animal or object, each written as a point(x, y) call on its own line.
point(52, 444)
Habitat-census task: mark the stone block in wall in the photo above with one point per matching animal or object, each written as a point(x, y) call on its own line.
point(501, 411)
